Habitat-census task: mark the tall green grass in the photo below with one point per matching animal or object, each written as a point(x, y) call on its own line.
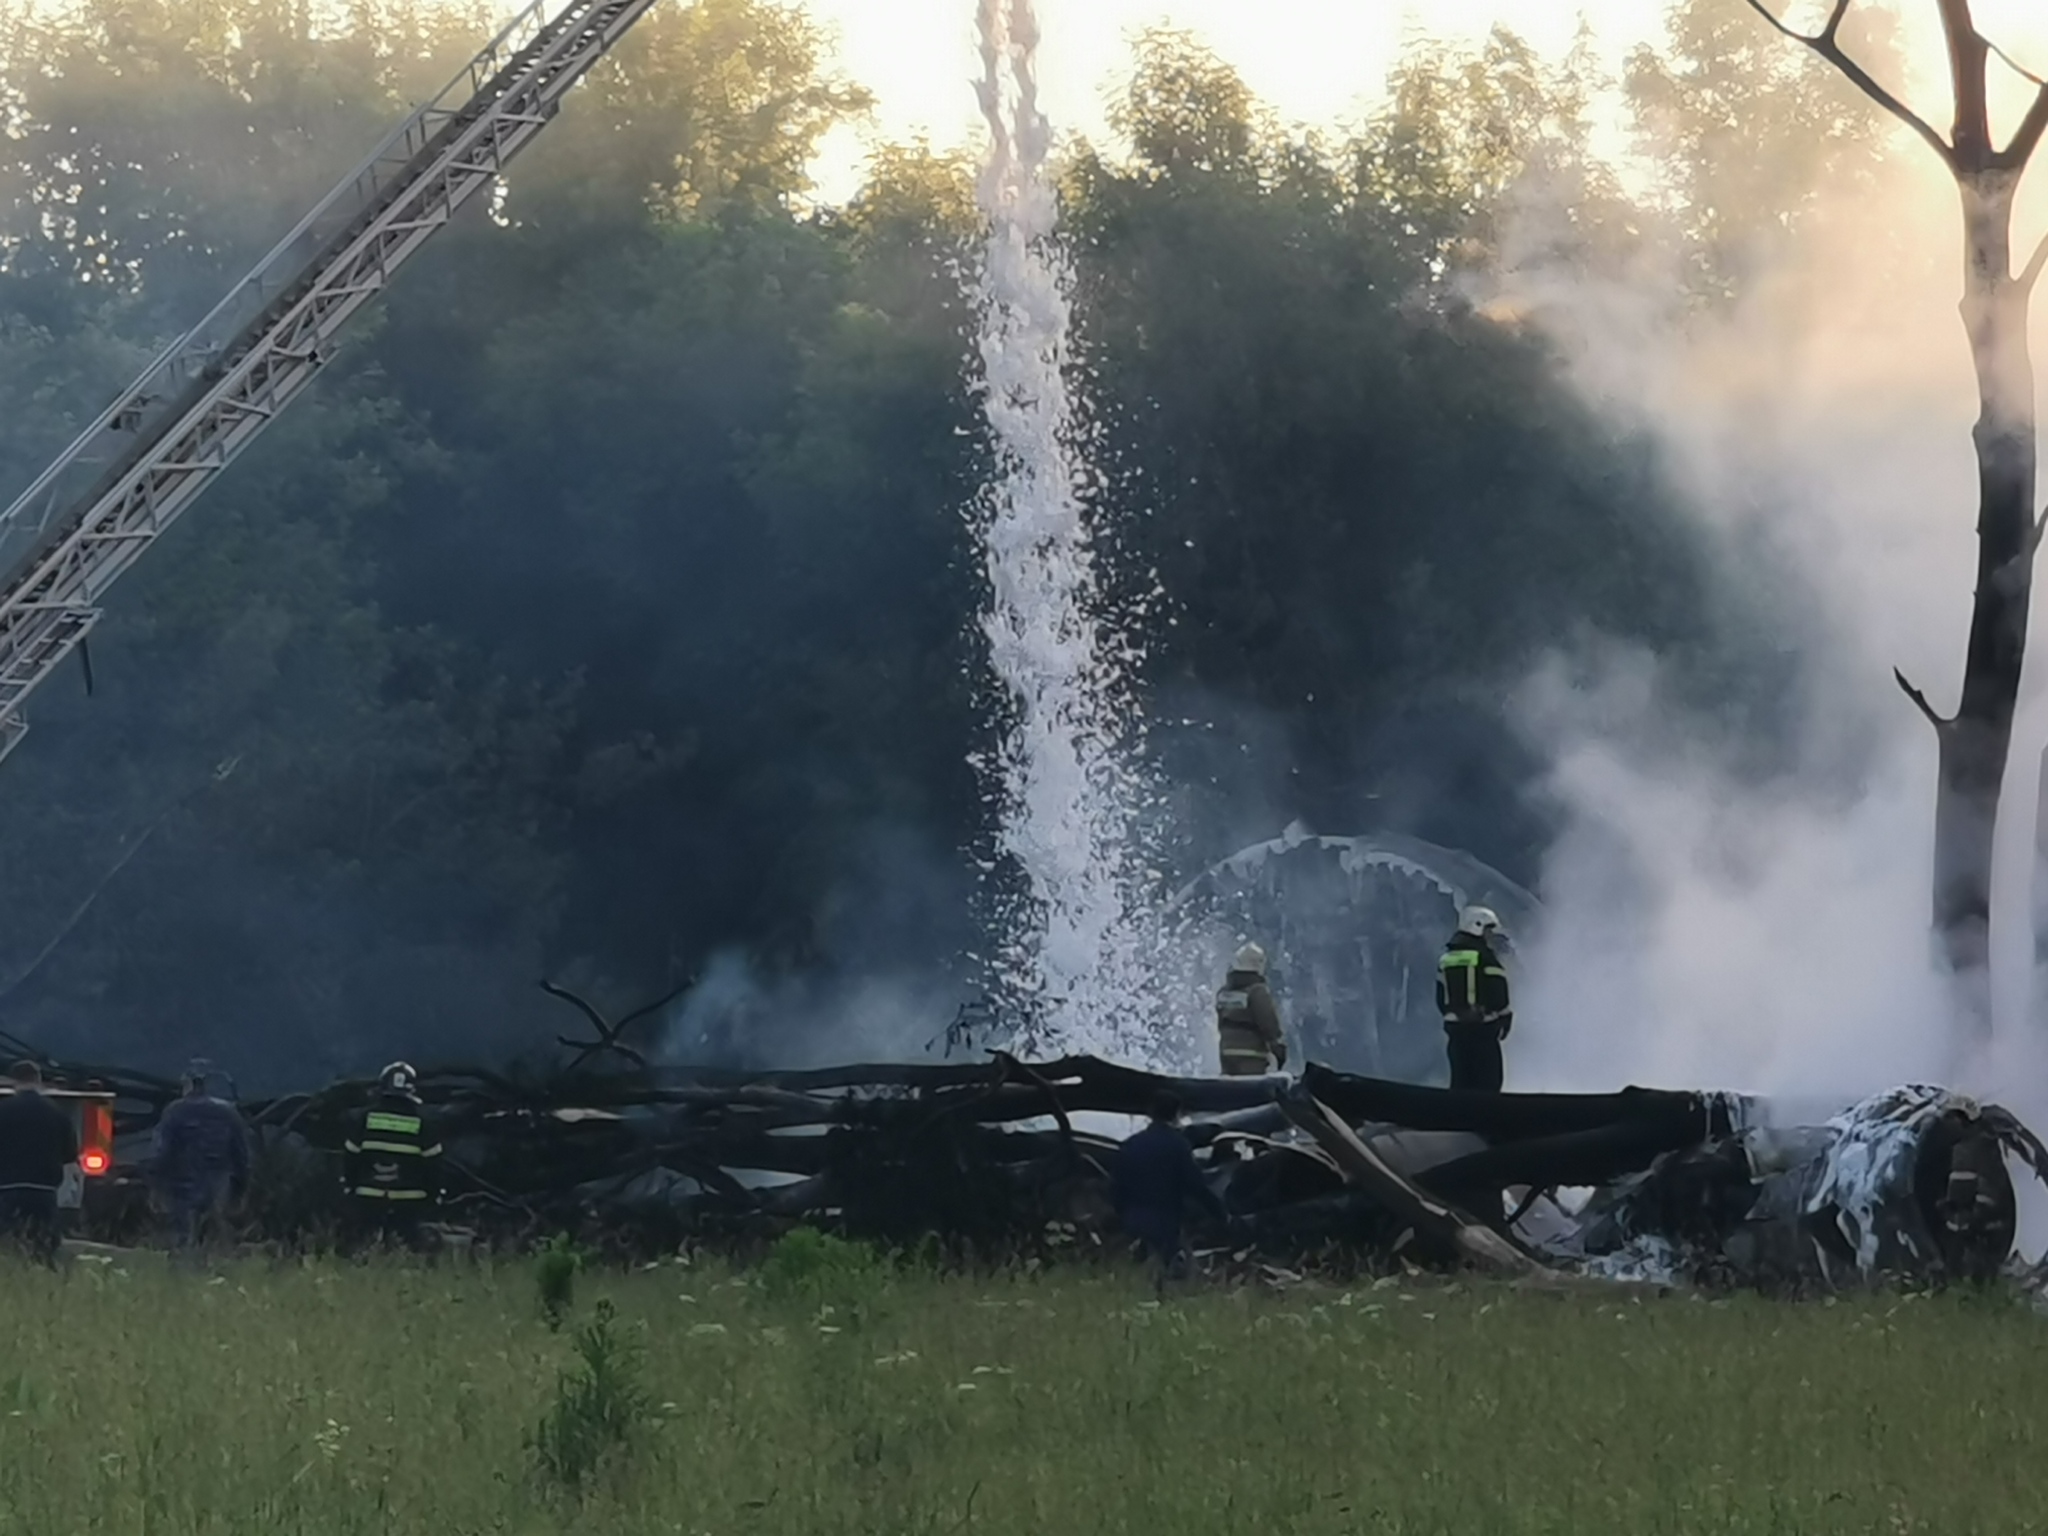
point(330, 1399)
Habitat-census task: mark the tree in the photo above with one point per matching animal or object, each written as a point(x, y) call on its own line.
point(1464, 130)
point(609, 604)
point(178, 138)
point(1748, 138)
point(1974, 741)
point(1185, 111)
point(1322, 453)
point(700, 107)
point(281, 820)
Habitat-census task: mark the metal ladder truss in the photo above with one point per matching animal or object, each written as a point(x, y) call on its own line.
point(88, 516)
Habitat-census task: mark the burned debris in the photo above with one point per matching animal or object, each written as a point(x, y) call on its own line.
point(1914, 1182)
point(1008, 1156)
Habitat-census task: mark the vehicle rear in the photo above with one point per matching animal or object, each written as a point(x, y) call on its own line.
point(92, 1118)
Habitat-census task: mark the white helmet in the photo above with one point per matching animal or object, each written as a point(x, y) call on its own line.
point(1479, 922)
point(1250, 958)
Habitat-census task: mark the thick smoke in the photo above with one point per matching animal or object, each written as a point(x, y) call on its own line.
point(740, 1014)
point(876, 984)
point(1753, 913)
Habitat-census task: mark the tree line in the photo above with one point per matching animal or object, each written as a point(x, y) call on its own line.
point(609, 605)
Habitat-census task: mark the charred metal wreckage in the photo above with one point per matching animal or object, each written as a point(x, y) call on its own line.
point(1011, 1156)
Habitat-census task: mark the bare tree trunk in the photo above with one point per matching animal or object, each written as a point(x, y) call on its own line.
point(1974, 744)
point(2040, 873)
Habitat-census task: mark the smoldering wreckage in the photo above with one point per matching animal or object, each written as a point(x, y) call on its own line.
point(1010, 1157)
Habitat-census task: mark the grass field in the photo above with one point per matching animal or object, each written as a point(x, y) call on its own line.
point(328, 1398)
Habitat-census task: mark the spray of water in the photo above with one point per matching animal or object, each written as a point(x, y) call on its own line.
point(1079, 956)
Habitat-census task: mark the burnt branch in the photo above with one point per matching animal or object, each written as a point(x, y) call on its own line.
point(2011, 63)
point(1012, 1066)
point(2027, 137)
point(567, 996)
point(1970, 52)
point(654, 1007)
point(1825, 43)
point(607, 1032)
point(2032, 271)
point(1920, 701)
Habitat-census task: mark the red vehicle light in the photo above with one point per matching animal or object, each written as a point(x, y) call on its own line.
point(95, 1139)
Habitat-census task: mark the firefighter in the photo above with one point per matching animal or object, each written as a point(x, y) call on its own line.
point(392, 1165)
point(1247, 1021)
point(37, 1143)
point(1472, 996)
point(199, 1160)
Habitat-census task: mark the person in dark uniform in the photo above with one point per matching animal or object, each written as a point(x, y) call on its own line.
point(199, 1162)
point(37, 1143)
point(1472, 996)
point(392, 1163)
point(1152, 1178)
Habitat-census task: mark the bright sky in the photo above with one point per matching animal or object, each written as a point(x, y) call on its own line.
point(1311, 60)
point(1314, 61)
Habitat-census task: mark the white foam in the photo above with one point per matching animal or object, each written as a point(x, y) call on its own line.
point(1079, 956)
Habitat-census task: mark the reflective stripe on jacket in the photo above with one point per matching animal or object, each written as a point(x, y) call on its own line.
point(392, 1154)
point(1471, 984)
point(1247, 1019)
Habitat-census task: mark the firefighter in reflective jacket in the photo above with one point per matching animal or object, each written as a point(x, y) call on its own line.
point(393, 1159)
point(1472, 995)
point(1247, 1021)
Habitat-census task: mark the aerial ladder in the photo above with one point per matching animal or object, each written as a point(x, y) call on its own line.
point(156, 449)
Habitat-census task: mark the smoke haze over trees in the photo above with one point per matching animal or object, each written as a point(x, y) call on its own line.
point(608, 607)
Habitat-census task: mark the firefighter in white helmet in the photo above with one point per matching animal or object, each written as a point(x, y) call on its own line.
point(392, 1162)
point(1247, 1020)
point(1472, 996)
